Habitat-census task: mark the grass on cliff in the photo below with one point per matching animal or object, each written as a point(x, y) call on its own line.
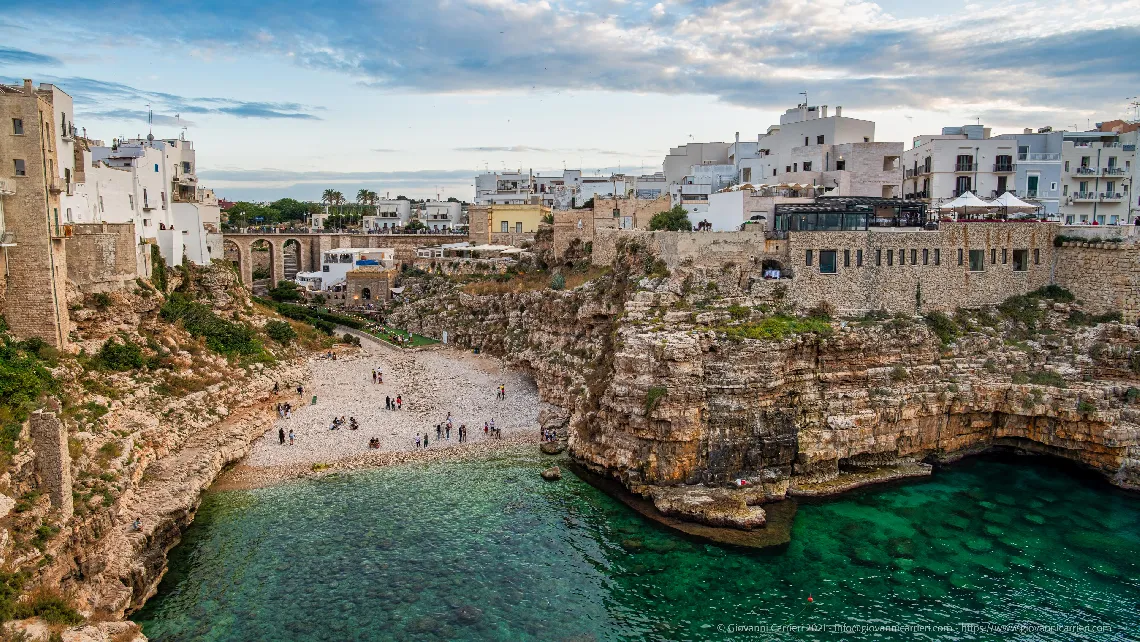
point(230, 338)
point(24, 380)
point(777, 327)
point(532, 281)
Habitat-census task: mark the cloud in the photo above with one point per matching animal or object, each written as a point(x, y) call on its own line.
point(519, 149)
point(134, 114)
point(754, 53)
point(10, 56)
point(527, 149)
point(269, 175)
point(385, 150)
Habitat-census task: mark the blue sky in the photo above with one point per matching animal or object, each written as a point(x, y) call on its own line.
point(415, 97)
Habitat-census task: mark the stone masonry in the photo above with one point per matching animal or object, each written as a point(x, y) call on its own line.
point(53, 463)
point(1106, 276)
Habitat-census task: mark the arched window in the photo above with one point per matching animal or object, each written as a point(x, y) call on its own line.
point(366, 294)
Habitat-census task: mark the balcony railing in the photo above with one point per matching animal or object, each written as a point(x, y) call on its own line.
point(959, 192)
point(1003, 168)
point(5, 188)
point(1041, 157)
point(1086, 171)
point(1114, 171)
point(963, 167)
point(1110, 196)
point(1084, 196)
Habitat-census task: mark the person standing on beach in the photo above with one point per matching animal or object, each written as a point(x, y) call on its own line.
point(417, 441)
point(399, 402)
point(300, 392)
point(281, 435)
point(276, 387)
point(374, 376)
point(290, 436)
point(387, 403)
point(484, 429)
point(425, 440)
point(447, 431)
point(438, 431)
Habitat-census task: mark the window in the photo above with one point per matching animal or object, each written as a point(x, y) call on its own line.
point(131, 200)
point(913, 256)
point(858, 258)
point(1064, 190)
point(827, 262)
point(1020, 260)
point(1036, 257)
point(69, 213)
point(1004, 256)
point(846, 258)
point(902, 257)
point(787, 168)
point(879, 257)
point(925, 256)
point(186, 166)
point(163, 195)
point(959, 256)
point(746, 175)
point(156, 168)
point(890, 257)
point(993, 256)
point(937, 256)
point(840, 165)
point(795, 167)
point(807, 141)
point(807, 257)
point(866, 139)
point(506, 227)
point(819, 139)
point(518, 228)
point(17, 127)
point(21, 170)
point(977, 260)
point(807, 166)
point(1066, 166)
point(100, 204)
point(324, 268)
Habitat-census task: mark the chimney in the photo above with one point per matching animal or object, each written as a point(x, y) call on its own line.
point(823, 111)
point(838, 111)
point(738, 137)
point(1027, 131)
point(28, 86)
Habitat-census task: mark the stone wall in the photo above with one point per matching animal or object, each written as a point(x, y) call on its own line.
point(478, 224)
point(1105, 276)
point(517, 239)
point(908, 271)
point(675, 248)
point(375, 281)
point(103, 256)
point(53, 463)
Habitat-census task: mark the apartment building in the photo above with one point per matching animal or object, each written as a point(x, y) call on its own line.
point(390, 214)
point(441, 216)
point(1098, 168)
point(35, 135)
point(941, 167)
point(1037, 168)
point(566, 190)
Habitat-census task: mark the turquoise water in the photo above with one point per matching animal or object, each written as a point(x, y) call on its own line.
point(485, 550)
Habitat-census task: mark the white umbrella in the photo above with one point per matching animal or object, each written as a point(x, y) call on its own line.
point(967, 203)
point(1011, 203)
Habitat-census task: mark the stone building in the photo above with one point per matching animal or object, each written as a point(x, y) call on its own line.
point(34, 256)
point(367, 285)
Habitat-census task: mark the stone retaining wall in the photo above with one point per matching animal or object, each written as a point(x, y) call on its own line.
point(1105, 276)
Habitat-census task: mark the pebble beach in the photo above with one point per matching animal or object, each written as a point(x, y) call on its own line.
point(431, 382)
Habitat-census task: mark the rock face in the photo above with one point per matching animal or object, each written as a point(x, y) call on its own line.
point(663, 386)
point(552, 447)
point(554, 473)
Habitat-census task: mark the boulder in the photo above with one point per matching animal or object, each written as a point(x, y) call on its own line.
point(731, 508)
point(553, 473)
point(552, 447)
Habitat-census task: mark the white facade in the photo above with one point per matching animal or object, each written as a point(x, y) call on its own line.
point(1097, 174)
point(729, 210)
point(336, 264)
point(390, 213)
point(941, 167)
point(441, 216)
point(566, 190)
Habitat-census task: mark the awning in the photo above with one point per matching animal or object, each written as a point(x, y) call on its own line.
point(1011, 203)
point(967, 203)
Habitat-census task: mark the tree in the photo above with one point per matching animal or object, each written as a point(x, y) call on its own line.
point(673, 220)
point(280, 331)
point(452, 199)
point(289, 209)
point(415, 225)
point(328, 197)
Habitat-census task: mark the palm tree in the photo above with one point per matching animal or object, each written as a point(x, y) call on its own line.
point(328, 196)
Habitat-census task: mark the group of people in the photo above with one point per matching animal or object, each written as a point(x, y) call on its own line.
point(337, 422)
point(501, 393)
point(281, 436)
point(703, 226)
point(549, 434)
point(377, 375)
point(394, 404)
point(285, 411)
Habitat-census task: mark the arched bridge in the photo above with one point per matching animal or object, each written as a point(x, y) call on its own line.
point(301, 252)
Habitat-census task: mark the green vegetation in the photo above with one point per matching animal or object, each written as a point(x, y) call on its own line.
point(558, 282)
point(157, 269)
point(1060, 239)
point(776, 327)
point(50, 606)
point(1086, 407)
point(672, 220)
point(653, 396)
point(119, 357)
point(321, 319)
point(1132, 395)
point(224, 337)
point(261, 271)
point(1020, 378)
point(388, 333)
point(280, 331)
point(899, 374)
point(1053, 292)
point(739, 312)
point(943, 326)
point(24, 380)
point(1078, 318)
point(1040, 378)
point(286, 291)
point(548, 219)
point(101, 300)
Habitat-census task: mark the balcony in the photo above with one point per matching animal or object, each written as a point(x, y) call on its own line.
point(6, 189)
point(147, 206)
point(1111, 197)
point(963, 167)
point(1039, 157)
point(1085, 171)
point(1113, 171)
point(1084, 197)
point(68, 133)
point(959, 192)
point(1003, 168)
point(55, 185)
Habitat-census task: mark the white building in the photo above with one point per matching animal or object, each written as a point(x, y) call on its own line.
point(441, 216)
point(566, 190)
point(941, 167)
point(390, 214)
point(1097, 174)
point(728, 210)
point(336, 264)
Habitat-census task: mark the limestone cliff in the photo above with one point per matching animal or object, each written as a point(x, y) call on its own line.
point(689, 378)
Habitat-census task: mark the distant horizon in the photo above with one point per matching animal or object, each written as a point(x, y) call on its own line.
point(286, 101)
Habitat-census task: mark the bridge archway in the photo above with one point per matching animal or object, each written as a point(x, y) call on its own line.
point(291, 262)
point(231, 253)
point(264, 272)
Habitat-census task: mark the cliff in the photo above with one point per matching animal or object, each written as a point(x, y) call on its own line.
point(678, 383)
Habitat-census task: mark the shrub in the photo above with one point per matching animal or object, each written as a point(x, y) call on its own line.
point(1086, 407)
point(280, 331)
point(157, 269)
point(350, 339)
point(990, 365)
point(653, 396)
point(1132, 395)
point(1047, 378)
point(943, 326)
point(1020, 378)
point(119, 357)
point(1054, 292)
point(49, 605)
point(261, 272)
point(225, 337)
point(101, 299)
point(777, 327)
point(739, 312)
point(286, 291)
point(557, 282)
point(898, 374)
point(672, 220)
point(823, 310)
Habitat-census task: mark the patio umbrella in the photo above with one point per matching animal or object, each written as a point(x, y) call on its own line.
point(967, 203)
point(1011, 203)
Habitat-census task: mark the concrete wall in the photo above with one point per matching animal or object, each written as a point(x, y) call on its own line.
point(103, 256)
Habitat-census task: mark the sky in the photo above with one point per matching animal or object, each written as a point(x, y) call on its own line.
point(416, 97)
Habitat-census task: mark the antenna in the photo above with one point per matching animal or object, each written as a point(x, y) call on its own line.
point(804, 94)
point(1135, 104)
point(149, 122)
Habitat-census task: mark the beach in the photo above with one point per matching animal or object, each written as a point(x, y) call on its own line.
point(431, 383)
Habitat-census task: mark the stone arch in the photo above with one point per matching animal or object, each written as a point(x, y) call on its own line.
point(264, 271)
point(238, 256)
point(366, 294)
point(291, 262)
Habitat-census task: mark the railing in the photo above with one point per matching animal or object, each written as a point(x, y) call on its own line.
point(964, 167)
point(1114, 171)
point(1084, 196)
point(1129, 148)
point(1003, 168)
point(1039, 157)
point(1086, 171)
point(5, 189)
point(1082, 144)
point(959, 192)
point(1109, 196)
point(1111, 146)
